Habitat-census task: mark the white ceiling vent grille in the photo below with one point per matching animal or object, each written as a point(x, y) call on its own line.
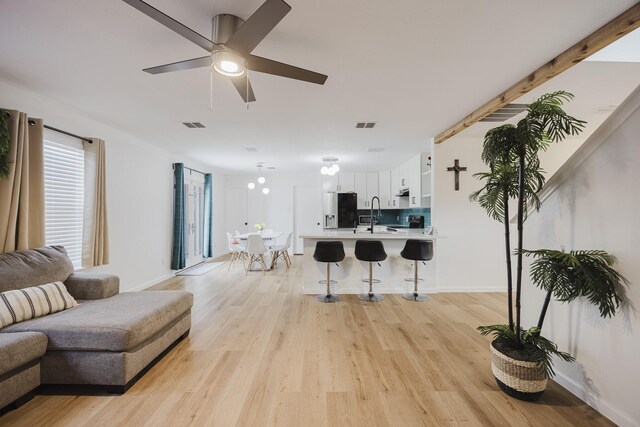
point(505, 113)
point(193, 125)
point(251, 149)
point(376, 150)
point(365, 125)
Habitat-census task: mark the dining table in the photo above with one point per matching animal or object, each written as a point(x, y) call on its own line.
point(269, 238)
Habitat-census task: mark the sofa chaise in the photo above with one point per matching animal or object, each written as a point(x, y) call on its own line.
point(107, 340)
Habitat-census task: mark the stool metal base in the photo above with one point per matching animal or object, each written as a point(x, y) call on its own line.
point(414, 296)
point(412, 280)
point(324, 282)
point(371, 297)
point(373, 280)
point(328, 298)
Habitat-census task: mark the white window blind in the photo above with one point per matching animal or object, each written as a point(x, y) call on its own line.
point(64, 195)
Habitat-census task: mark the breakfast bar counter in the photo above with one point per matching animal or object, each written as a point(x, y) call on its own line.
point(392, 272)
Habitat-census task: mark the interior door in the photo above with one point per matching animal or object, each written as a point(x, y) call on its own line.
point(194, 219)
point(237, 210)
point(307, 214)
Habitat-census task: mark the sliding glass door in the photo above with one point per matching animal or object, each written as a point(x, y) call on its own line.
point(194, 218)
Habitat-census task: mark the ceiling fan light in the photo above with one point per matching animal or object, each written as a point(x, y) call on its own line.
point(228, 63)
point(324, 170)
point(261, 180)
point(251, 185)
point(265, 190)
point(335, 167)
point(331, 171)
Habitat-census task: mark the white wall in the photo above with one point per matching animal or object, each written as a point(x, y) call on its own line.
point(471, 252)
point(471, 257)
point(597, 207)
point(276, 208)
point(139, 191)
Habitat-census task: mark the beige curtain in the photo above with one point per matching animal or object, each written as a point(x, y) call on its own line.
point(95, 247)
point(22, 192)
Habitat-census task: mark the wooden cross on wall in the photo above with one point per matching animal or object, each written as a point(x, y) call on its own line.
point(457, 169)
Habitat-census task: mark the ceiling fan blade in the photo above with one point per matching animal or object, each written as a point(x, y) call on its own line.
point(204, 61)
point(256, 28)
point(269, 66)
point(241, 84)
point(174, 25)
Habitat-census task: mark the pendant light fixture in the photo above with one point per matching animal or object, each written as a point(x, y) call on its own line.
point(261, 180)
point(330, 166)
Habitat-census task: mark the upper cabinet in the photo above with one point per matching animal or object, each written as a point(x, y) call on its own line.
point(330, 183)
point(425, 168)
point(412, 177)
point(367, 186)
point(384, 189)
point(373, 188)
point(346, 182)
point(361, 189)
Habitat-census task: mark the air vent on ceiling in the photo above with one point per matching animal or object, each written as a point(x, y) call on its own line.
point(365, 125)
point(193, 125)
point(271, 167)
point(376, 149)
point(505, 113)
point(251, 149)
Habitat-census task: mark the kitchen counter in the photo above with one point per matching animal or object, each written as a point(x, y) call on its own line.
point(378, 234)
point(391, 272)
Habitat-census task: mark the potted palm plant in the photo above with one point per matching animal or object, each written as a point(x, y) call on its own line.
point(521, 370)
point(522, 359)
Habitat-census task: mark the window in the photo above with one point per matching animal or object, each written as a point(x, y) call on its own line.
point(64, 194)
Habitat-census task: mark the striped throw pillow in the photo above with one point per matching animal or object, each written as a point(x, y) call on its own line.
point(24, 304)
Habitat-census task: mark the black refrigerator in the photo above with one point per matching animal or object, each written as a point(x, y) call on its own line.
point(347, 210)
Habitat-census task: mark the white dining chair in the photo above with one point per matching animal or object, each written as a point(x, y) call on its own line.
point(236, 250)
point(255, 250)
point(281, 251)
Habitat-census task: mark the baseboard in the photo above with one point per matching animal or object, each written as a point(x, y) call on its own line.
point(602, 406)
point(151, 283)
point(458, 289)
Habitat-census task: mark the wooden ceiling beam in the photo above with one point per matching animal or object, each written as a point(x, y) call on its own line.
point(604, 36)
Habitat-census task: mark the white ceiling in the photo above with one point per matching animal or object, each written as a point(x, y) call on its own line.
point(415, 67)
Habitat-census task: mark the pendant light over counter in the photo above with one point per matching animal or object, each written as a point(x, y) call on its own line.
point(261, 181)
point(330, 166)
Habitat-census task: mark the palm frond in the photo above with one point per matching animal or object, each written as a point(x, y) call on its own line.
point(587, 273)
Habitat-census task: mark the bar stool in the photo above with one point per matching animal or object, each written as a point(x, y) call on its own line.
point(370, 251)
point(329, 252)
point(417, 250)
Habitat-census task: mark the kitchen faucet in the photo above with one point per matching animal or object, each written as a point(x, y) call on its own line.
point(372, 220)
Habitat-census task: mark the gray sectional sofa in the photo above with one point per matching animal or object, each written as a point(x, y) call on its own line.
point(107, 340)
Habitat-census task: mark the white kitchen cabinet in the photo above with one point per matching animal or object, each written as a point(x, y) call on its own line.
point(395, 187)
point(346, 182)
point(425, 168)
point(414, 180)
point(360, 184)
point(330, 183)
point(372, 187)
point(384, 189)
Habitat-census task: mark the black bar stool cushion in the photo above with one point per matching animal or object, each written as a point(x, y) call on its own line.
point(417, 250)
point(370, 250)
point(329, 252)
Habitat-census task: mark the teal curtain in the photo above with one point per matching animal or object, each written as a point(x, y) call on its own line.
point(208, 217)
point(178, 253)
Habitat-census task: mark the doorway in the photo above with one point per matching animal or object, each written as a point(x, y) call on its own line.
point(307, 214)
point(194, 219)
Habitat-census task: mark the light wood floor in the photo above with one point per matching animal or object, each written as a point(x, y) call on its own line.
point(261, 353)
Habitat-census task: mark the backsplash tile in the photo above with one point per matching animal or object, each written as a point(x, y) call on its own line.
point(399, 216)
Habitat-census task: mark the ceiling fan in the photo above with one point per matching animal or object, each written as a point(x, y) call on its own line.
point(231, 47)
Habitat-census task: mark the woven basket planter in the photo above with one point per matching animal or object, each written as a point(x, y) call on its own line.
point(521, 379)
